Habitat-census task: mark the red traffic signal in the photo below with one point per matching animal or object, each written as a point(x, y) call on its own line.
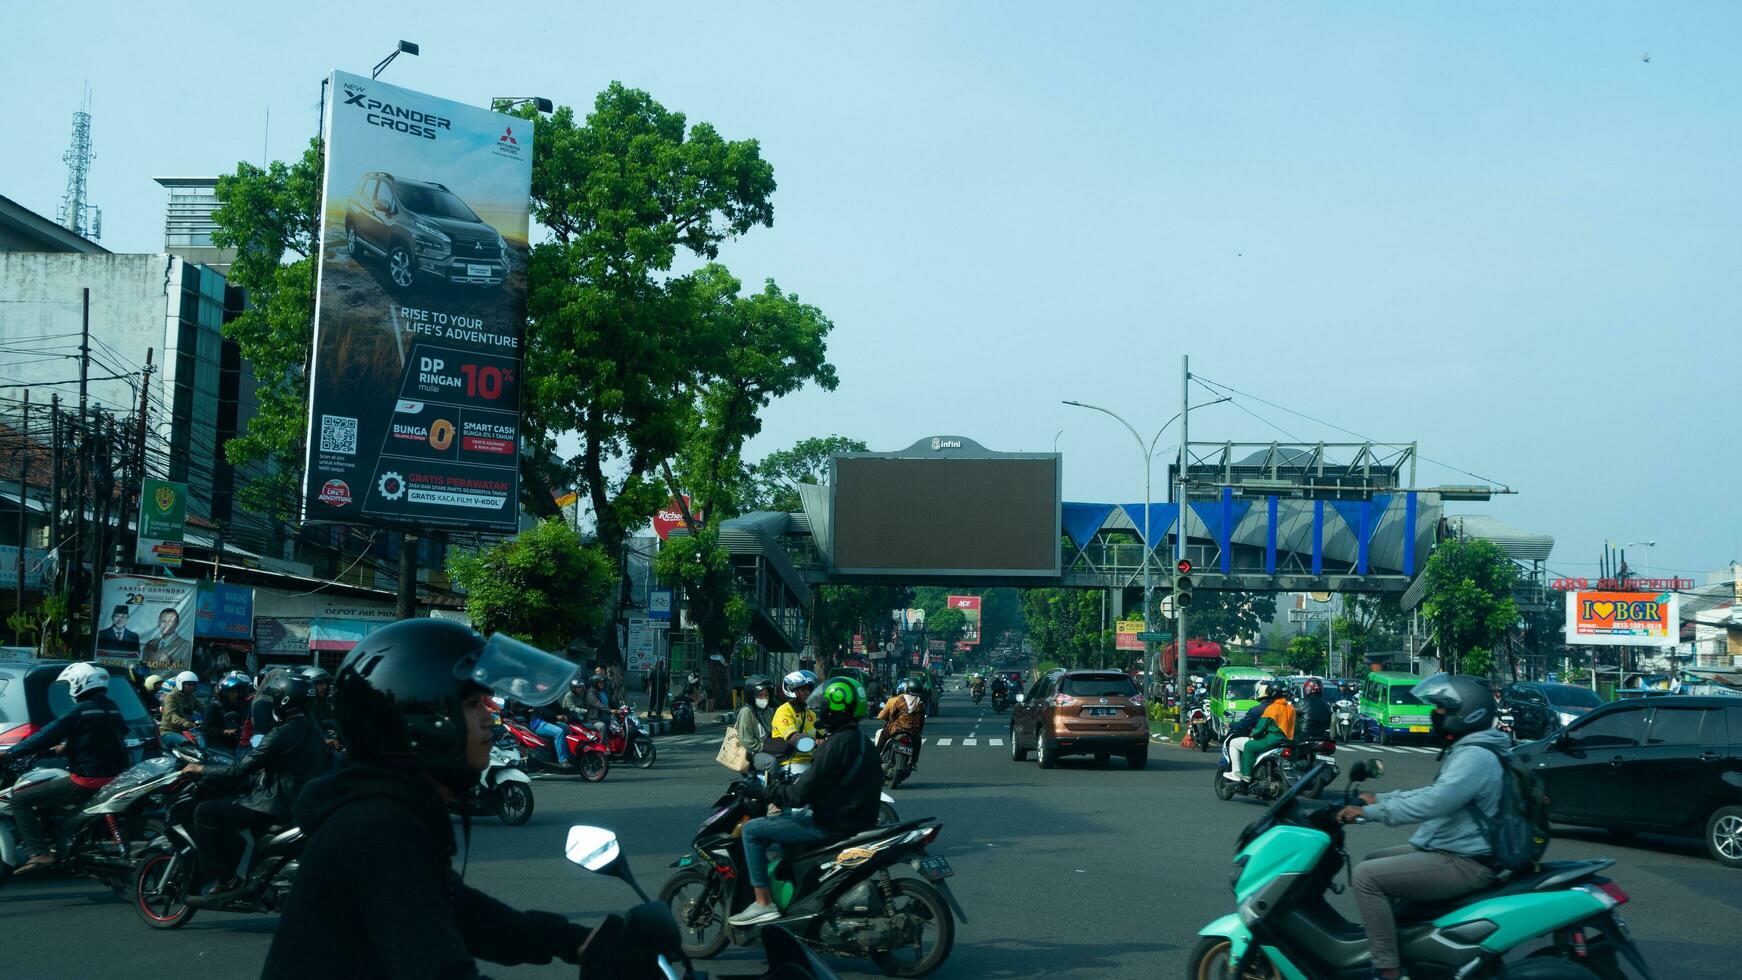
point(1184, 566)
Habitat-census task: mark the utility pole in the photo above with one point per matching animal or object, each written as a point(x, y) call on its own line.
point(137, 486)
point(23, 515)
point(407, 604)
point(54, 487)
point(1180, 640)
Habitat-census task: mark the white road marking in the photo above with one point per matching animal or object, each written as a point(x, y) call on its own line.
point(994, 741)
point(1425, 750)
point(970, 741)
point(944, 741)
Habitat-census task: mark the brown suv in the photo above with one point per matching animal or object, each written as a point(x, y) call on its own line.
point(1080, 712)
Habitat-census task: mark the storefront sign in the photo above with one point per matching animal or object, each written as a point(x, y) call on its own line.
point(1621, 584)
point(225, 612)
point(1129, 635)
point(162, 523)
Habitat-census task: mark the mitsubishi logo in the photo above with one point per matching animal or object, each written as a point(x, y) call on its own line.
point(508, 136)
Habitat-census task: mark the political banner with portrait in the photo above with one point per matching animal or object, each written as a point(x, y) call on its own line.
point(148, 619)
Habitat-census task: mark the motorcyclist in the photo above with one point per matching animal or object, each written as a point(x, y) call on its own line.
point(376, 895)
point(260, 720)
point(835, 798)
point(795, 719)
point(598, 701)
point(320, 710)
point(181, 709)
point(905, 713)
point(95, 735)
point(227, 715)
point(1241, 731)
point(1000, 686)
point(756, 718)
point(1275, 727)
point(293, 753)
point(1450, 855)
point(1314, 712)
point(551, 721)
point(977, 686)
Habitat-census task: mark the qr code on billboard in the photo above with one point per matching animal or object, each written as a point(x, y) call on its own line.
point(338, 434)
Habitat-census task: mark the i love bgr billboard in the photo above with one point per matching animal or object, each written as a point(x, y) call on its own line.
point(1623, 619)
point(414, 396)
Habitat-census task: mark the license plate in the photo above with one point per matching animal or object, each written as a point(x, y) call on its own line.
point(903, 748)
point(1419, 729)
point(936, 868)
point(1104, 712)
point(477, 270)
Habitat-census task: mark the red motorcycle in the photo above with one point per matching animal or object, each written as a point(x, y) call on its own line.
point(588, 756)
point(626, 742)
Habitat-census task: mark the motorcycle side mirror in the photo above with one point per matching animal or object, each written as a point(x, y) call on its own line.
point(805, 744)
point(763, 761)
point(1020, 699)
point(1366, 769)
point(596, 849)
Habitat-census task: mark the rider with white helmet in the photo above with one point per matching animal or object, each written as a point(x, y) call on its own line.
point(95, 734)
point(179, 708)
point(793, 720)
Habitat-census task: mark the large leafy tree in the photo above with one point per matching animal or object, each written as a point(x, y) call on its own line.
point(1368, 623)
point(1230, 616)
point(612, 335)
point(1065, 627)
point(1469, 605)
point(1306, 654)
point(271, 217)
point(543, 585)
point(779, 473)
point(749, 350)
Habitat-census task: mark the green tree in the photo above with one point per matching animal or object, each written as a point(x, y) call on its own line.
point(1368, 623)
point(1306, 654)
point(1230, 616)
point(269, 215)
point(779, 473)
point(615, 340)
point(543, 585)
point(748, 350)
point(948, 625)
point(1468, 605)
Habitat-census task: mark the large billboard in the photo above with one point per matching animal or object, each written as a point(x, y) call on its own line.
point(148, 619)
point(414, 398)
point(945, 507)
point(1623, 619)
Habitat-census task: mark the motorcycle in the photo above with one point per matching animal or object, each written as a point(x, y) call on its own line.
point(683, 715)
point(839, 898)
point(625, 741)
point(166, 881)
point(1000, 700)
point(647, 941)
point(503, 791)
point(787, 772)
point(1507, 722)
point(588, 755)
point(1198, 725)
point(897, 751)
point(1288, 859)
point(978, 693)
point(101, 838)
point(1345, 721)
point(1278, 770)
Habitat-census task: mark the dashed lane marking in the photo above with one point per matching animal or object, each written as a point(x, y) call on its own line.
point(994, 741)
point(970, 741)
point(944, 741)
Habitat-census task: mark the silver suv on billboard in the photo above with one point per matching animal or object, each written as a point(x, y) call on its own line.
point(423, 231)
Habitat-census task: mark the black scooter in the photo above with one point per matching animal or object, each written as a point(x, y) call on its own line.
point(166, 881)
point(839, 897)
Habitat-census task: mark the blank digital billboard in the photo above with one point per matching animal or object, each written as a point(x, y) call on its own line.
point(921, 517)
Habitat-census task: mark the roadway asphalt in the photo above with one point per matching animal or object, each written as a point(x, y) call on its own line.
point(1083, 871)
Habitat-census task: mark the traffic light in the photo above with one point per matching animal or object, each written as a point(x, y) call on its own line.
point(1182, 583)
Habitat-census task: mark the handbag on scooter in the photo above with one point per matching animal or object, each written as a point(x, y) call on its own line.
point(732, 753)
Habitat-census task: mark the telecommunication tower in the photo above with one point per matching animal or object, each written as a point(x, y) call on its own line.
point(76, 215)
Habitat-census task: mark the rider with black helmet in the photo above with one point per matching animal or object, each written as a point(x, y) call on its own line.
point(1450, 855)
point(286, 759)
point(834, 799)
point(320, 708)
point(1314, 712)
point(756, 718)
point(376, 894)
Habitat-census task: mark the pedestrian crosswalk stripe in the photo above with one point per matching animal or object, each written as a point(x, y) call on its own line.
point(944, 741)
point(994, 741)
point(1425, 750)
point(970, 741)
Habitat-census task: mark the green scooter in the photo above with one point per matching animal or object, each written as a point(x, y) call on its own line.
point(1282, 926)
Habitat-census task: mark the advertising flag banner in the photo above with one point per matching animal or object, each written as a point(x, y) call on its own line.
point(414, 397)
point(1128, 636)
point(149, 619)
point(1632, 619)
point(162, 523)
point(970, 607)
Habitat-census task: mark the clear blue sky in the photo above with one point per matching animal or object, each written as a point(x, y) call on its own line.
point(1496, 229)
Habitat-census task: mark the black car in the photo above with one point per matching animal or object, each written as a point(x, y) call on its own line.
point(30, 699)
point(1670, 765)
point(422, 230)
point(1540, 708)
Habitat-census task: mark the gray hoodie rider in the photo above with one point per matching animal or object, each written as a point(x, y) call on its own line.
point(1468, 772)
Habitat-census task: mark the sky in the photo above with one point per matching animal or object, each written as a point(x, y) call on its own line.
point(1498, 231)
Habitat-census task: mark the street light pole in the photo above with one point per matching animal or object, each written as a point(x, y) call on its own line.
point(1179, 608)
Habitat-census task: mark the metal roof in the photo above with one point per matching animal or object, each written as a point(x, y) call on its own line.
point(1516, 543)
